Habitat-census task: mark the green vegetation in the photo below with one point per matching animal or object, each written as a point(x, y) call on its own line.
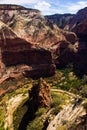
point(64, 79)
point(58, 101)
point(15, 82)
point(41, 115)
point(1, 120)
point(22, 88)
point(18, 114)
point(62, 127)
point(2, 112)
point(38, 122)
point(8, 83)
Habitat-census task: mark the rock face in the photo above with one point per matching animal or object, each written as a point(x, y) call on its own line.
point(28, 38)
point(31, 25)
point(61, 20)
point(73, 22)
point(40, 95)
point(7, 12)
point(81, 29)
point(80, 17)
point(79, 26)
point(16, 51)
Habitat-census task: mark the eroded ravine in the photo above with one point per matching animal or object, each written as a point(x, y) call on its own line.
point(12, 105)
point(68, 114)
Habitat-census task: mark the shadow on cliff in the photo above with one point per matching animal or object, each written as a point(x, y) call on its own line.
point(80, 64)
point(29, 115)
point(39, 96)
point(14, 51)
point(77, 60)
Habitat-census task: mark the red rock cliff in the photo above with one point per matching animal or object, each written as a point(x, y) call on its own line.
point(16, 51)
point(30, 25)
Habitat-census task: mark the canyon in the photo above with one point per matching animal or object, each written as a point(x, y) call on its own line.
point(43, 69)
point(26, 37)
point(76, 23)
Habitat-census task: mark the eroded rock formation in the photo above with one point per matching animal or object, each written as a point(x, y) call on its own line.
point(61, 20)
point(40, 94)
point(32, 26)
point(28, 38)
point(80, 17)
point(16, 51)
point(79, 26)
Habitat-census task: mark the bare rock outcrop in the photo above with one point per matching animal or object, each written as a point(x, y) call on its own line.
point(80, 17)
point(40, 94)
point(31, 27)
point(61, 20)
point(16, 51)
point(8, 11)
point(79, 26)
